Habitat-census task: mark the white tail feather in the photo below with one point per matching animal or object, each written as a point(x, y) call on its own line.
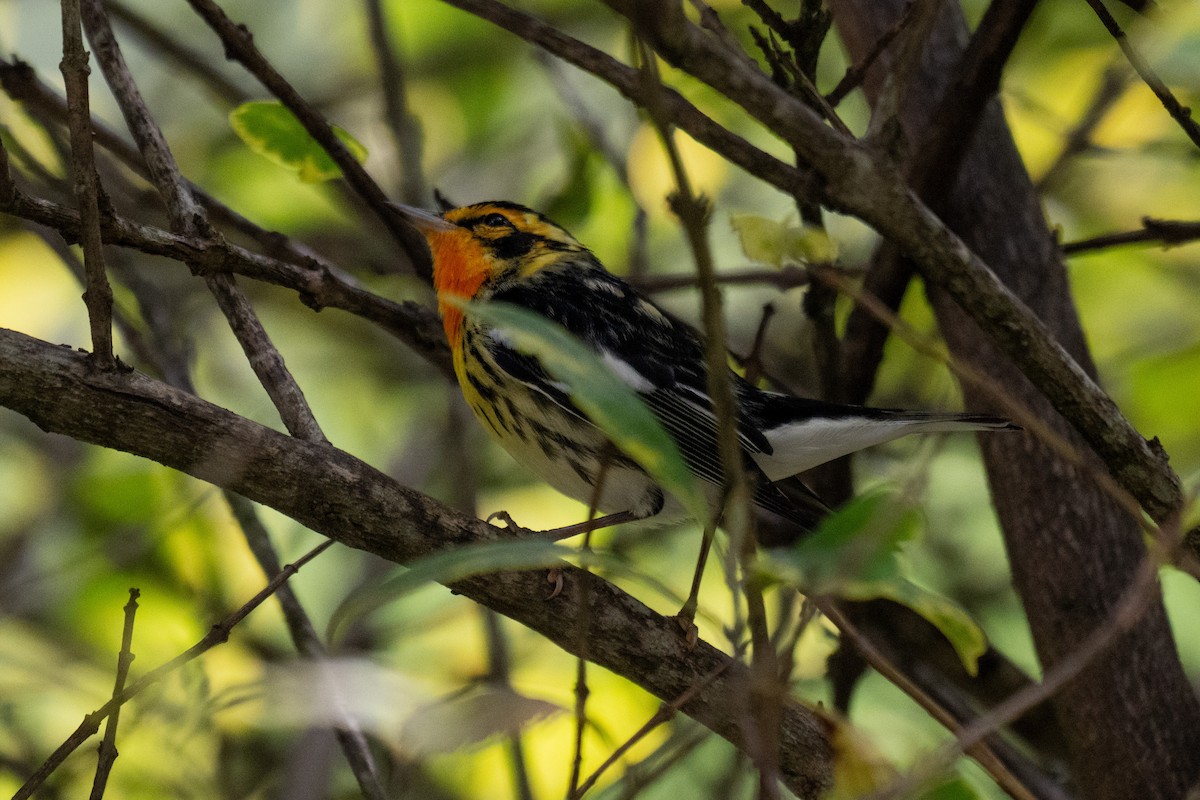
point(800, 446)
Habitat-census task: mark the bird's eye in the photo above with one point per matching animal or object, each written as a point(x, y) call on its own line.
point(495, 221)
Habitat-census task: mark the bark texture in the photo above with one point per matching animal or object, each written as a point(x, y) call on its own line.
point(337, 495)
point(1131, 719)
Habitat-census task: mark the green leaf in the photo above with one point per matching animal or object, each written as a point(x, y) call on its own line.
point(271, 130)
point(782, 242)
point(607, 401)
point(454, 565)
point(855, 554)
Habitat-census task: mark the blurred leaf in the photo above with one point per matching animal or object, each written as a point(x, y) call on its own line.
point(782, 242)
point(859, 769)
point(954, 789)
point(606, 400)
point(504, 555)
point(272, 131)
point(470, 718)
point(855, 555)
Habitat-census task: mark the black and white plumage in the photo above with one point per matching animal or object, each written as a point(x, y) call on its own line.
point(505, 252)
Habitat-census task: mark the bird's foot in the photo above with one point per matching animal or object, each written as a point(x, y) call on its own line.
point(554, 577)
point(508, 522)
point(686, 620)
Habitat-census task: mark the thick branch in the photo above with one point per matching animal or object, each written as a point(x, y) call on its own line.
point(339, 496)
point(856, 182)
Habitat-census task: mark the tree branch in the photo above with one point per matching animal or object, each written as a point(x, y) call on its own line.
point(339, 496)
point(98, 294)
point(857, 183)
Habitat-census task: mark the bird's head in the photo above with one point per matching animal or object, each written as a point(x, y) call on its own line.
point(479, 249)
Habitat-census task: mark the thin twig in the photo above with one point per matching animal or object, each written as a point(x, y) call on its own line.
point(1160, 232)
point(217, 634)
point(189, 219)
point(499, 675)
point(98, 294)
point(404, 127)
point(318, 287)
point(1126, 613)
point(1112, 87)
point(664, 714)
point(22, 84)
point(681, 113)
point(1180, 113)
point(787, 277)
point(738, 520)
point(239, 46)
point(978, 751)
point(108, 746)
point(884, 129)
point(856, 73)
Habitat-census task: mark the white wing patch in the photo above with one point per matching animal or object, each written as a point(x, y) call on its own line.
point(800, 446)
point(626, 372)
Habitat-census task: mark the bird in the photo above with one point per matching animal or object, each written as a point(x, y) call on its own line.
point(500, 251)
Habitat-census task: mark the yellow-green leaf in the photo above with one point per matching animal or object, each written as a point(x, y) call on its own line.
point(856, 554)
point(782, 242)
point(271, 130)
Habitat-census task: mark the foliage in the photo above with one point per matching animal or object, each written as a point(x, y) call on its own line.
point(80, 525)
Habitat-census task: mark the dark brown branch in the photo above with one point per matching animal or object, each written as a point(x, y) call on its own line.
point(625, 80)
point(856, 183)
point(189, 219)
point(98, 294)
point(317, 286)
point(1180, 113)
point(404, 127)
point(856, 73)
point(239, 46)
point(337, 495)
point(1161, 232)
point(108, 747)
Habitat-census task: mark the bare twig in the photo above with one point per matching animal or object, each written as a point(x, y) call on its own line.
point(239, 46)
point(1129, 609)
point(108, 747)
point(317, 286)
point(188, 218)
point(884, 128)
point(737, 518)
point(499, 674)
point(98, 294)
point(625, 80)
point(857, 72)
point(788, 277)
point(1112, 87)
point(980, 751)
point(217, 634)
point(665, 713)
point(404, 127)
point(223, 88)
point(1161, 232)
point(1180, 113)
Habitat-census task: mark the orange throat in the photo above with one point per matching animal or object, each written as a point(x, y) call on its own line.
point(460, 267)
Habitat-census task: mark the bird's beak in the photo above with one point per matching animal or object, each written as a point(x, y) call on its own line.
point(424, 221)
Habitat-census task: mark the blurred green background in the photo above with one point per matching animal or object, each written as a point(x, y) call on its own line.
point(80, 525)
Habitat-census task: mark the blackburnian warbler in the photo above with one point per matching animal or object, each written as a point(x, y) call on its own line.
point(500, 251)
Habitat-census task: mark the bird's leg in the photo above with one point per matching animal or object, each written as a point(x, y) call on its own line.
point(587, 526)
point(686, 618)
